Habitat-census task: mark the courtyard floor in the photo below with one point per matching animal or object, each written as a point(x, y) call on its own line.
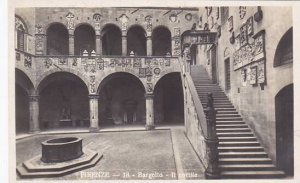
point(128, 155)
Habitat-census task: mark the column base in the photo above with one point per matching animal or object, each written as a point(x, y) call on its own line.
point(93, 129)
point(34, 131)
point(150, 127)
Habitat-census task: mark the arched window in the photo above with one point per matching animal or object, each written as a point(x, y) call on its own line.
point(161, 41)
point(284, 50)
point(57, 40)
point(136, 41)
point(111, 40)
point(84, 39)
point(20, 29)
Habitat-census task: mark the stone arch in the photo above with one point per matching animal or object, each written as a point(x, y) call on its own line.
point(284, 49)
point(19, 18)
point(23, 80)
point(111, 74)
point(284, 116)
point(166, 72)
point(109, 24)
point(57, 39)
point(161, 41)
point(136, 40)
point(23, 89)
point(111, 39)
point(169, 99)
point(84, 38)
point(67, 70)
point(63, 100)
point(121, 95)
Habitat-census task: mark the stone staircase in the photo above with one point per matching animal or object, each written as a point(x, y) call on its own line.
point(240, 153)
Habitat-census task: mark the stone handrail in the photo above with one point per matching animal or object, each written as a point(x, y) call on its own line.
point(196, 100)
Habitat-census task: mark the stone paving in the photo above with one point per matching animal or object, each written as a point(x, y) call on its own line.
point(143, 155)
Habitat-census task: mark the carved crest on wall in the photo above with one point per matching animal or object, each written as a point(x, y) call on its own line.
point(97, 17)
point(148, 21)
point(173, 17)
point(124, 21)
point(70, 20)
point(242, 11)
point(188, 16)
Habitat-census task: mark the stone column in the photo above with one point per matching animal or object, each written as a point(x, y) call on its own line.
point(34, 126)
point(149, 111)
point(149, 46)
point(94, 112)
point(71, 42)
point(124, 45)
point(98, 45)
point(211, 140)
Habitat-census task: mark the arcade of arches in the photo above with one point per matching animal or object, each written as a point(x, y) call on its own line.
point(60, 41)
point(63, 101)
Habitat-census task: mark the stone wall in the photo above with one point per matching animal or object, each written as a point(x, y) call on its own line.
point(193, 129)
point(252, 94)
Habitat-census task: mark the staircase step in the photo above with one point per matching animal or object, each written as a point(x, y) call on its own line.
point(235, 134)
point(228, 118)
point(219, 115)
point(245, 161)
point(234, 143)
point(261, 154)
point(231, 126)
point(233, 130)
point(241, 149)
point(230, 123)
point(252, 174)
point(223, 139)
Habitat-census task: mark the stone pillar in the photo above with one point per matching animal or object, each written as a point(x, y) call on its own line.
point(124, 45)
point(212, 170)
point(94, 112)
point(149, 46)
point(149, 111)
point(34, 126)
point(71, 42)
point(98, 45)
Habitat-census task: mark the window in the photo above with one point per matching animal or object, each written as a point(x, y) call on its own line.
point(227, 74)
point(20, 29)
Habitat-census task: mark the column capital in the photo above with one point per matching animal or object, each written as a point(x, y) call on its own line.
point(98, 36)
point(149, 37)
point(71, 36)
point(149, 95)
point(93, 96)
point(33, 98)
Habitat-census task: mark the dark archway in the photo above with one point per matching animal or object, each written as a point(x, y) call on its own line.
point(57, 39)
point(85, 39)
point(284, 111)
point(24, 88)
point(136, 41)
point(161, 41)
point(168, 100)
point(111, 40)
point(284, 50)
point(63, 101)
point(122, 100)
